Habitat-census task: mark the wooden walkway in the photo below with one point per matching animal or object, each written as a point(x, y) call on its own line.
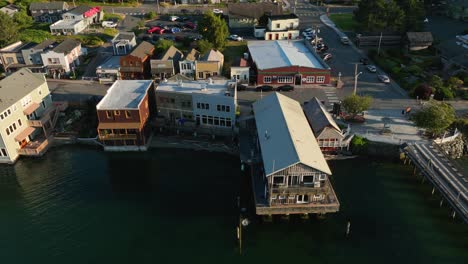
point(439, 170)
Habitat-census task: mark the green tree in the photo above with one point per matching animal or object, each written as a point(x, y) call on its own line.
point(8, 30)
point(204, 46)
point(214, 29)
point(415, 14)
point(163, 44)
point(22, 19)
point(380, 15)
point(151, 15)
point(34, 35)
point(436, 82)
point(263, 20)
point(355, 104)
point(435, 117)
point(454, 83)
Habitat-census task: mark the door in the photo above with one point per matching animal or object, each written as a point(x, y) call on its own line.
point(276, 36)
point(298, 80)
point(269, 36)
point(293, 180)
point(289, 36)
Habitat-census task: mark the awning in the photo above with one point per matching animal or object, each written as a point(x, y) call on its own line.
point(31, 108)
point(119, 126)
point(26, 132)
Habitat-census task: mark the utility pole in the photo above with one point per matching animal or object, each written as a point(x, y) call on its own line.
point(157, 4)
point(380, 41)
point(356, 75)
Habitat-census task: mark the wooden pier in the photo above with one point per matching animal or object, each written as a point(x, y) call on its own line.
point(434, 166)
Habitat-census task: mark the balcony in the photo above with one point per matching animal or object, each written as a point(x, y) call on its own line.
point(299, 189)
point(118, 137)
point(46, 116)
point(36, 148)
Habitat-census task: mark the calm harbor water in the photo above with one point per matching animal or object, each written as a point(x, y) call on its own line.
point(82, 205)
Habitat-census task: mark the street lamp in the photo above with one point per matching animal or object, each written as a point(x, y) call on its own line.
point(355, 82)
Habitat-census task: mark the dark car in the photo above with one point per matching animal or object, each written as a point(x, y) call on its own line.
point(179, 38)
point(364, 61)
point(264, 88)
point(241, 87)
point(156, 38)
point(145, 38)
point(286, 88)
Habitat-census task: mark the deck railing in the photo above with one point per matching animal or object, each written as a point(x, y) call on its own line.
point(117, 137)
point(35, 148)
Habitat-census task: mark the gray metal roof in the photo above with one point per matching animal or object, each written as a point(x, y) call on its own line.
point(213, 55)
point(125, 94)
point(112, 63)
point(285, 136)
point(67, 46)
point(318, 116)
point(80, 10)
point(17, 85)
point(283, 53)
point(44, 44)
point(172, 54)
point(142, 50)
point(48, 5)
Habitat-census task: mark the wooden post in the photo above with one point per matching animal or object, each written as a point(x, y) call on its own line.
point(441, 202)
point(240, 235)
point(348, 228)
point(453, 215)
point(433, 190)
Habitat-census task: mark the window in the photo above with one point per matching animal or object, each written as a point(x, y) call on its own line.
point(43, 104)
point(228, 122)
point(200, 75)
point(302, 198)
point(222, 121)
point(128, 114)
point(7, 131)
point(1, 116)
point(210, 120)
point(285, 79)
point(308, 179)
point(4, 152)
point(172, 101)
point(277, 25)
point(323, 177)
point(9, 60)
point(228, 108)
point(278, 180)
point(198, 105)
point(218, 107)
point(320, 79)
point(310, 79)
point(267, 79)
point(9, 112)
point(216, 121)
point(19, 122)
point(109, 114)
point(203, 119)
point(117, 112)
point(14, 126)
point(207, 106)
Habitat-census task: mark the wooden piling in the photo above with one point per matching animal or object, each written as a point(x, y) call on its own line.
point(433, 190)
point(441, 202)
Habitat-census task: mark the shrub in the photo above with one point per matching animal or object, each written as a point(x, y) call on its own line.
point(151, 15)
point(359, 145)
point(443, 93)
point(423, 91)
point(396, 70)
point(414, 70)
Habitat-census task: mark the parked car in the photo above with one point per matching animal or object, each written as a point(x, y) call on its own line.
point(235, 38)
point(264, 88)
point(241, 87)
point(179, 38)
point(218, 11)
point(153, 29)
point(156, 38)
point(286, 88)
point(184, 19)
point(345, 40)
point(109, 24)
point(383, 78)
point(371, 68)
point(190, 25)
point(307, 34)
point(327, 56)
point(175, 30)
point(173, 18)
point(364, 61)
point(308, 30)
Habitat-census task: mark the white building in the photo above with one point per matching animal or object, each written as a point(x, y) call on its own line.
point(123, 43)
point(280, 27)
point(61, 59)
point(27, 115)
point(9, 10)
point(187, 65)
point(209, 105)
point(76, 20)
point(240, 70)
point(109, 71)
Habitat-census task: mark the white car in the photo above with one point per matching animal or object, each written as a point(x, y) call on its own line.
point(383, 78)
point(310, 30)
point(109, 24)
point(235, 37)
point(218, 11)
point(173, 18)
point(371, 68)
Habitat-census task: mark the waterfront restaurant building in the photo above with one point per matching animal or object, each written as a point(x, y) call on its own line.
point(205, 105)
point(292, 62)
point(295, 178)
point(123, 115)
point(27, 115)
point(329, 135)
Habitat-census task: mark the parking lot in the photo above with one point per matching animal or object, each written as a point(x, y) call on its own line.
point(183, 27)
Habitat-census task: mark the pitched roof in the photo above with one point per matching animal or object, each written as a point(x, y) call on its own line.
point(419, 37)
point(285, 136)
point(172, 54)
point(161, 65)
point(253, 10)
point(67, 46)
point(80, 10)
point(318, 116)
point(17, 85)
point(240, 62)
point(47, 5)
point(17, 47)
point(193, 55)
point(44, 44)
point(180, 77)
point(213, 55)
point(142, 50)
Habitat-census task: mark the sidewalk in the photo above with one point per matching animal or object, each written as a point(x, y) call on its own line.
point(399, 128)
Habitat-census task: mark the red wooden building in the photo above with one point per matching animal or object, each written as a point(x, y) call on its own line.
point(292, 62)
point(123, 115)
point(136, 65)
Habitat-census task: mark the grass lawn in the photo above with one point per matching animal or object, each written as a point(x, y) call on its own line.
point(344, 21)
point(233, 50)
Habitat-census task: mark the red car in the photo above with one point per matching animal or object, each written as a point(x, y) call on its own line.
point(190, 25)
point(153, 29)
